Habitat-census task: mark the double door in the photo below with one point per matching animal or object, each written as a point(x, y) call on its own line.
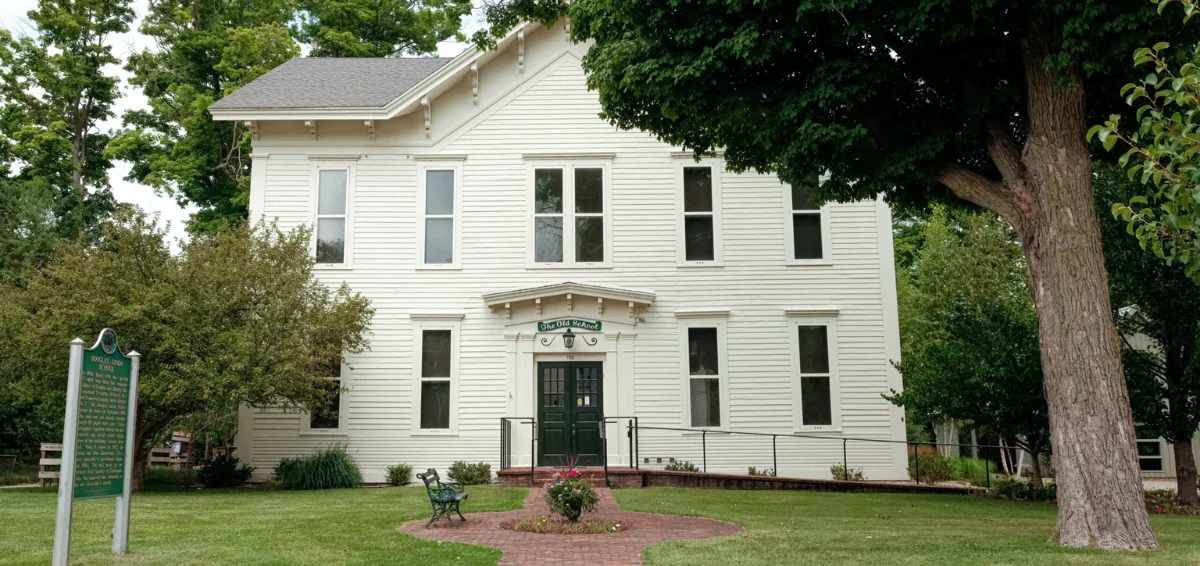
point(570, 411)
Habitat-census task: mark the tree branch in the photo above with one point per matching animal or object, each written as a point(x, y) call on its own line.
point(1005, 153)
point(992, 195)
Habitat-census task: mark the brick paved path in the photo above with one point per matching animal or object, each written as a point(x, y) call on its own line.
point(624, 547)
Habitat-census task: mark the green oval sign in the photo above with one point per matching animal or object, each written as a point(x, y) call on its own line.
point(594, 326)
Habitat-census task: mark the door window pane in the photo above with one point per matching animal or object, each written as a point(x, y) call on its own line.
point(586, 387)
point(698, 238)
point(703, 358)
point(589, 190)
point(548, 239)
point(548, 191)
point(331, 196)
point(806, 235)
point(589, 238)
point(439, 192)
point(553, 387)
point(435, 353)
point(439, 240)
point(326, 415)
point(706, 402)
point(697, 189)
point(815, 402)
point(814, 349)
point(331, 240)
point(435, 404)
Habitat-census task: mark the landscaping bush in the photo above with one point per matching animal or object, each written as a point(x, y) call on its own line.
point(225, 470)
point(933, 467)
point(973, 470)
point(400, 474)
point(681, 466)
point(569, 495)
point(1166, 502)
point(327, 468)
point(470, 474)
point(21, 474)
point(841, 472)
point(764, 472)
point(1020, 490)
point(269, 484)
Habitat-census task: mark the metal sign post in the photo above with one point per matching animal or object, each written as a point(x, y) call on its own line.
point(98, 438)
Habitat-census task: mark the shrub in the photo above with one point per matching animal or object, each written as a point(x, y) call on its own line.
point(400, 474)
point(681, 466)
point(21, 474)
point(973, 470)
point(1166, 502)
point(269, 484)
point(327, 468)
point(933, 467)
point(470, 474)
point(1012, 488)
point(842, 473)
point(167, 479)
point(765, 472)
point(569, 495)
point(225, 470)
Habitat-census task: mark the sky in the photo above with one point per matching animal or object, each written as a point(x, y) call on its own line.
point(13, 18)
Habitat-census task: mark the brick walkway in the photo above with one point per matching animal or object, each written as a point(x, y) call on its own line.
point(624, 547)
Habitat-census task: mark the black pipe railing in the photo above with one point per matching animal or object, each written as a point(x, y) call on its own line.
point(506, 443)
point(631, 430)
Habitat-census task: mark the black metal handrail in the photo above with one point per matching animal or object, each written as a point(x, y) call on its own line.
point(634, 449)
point(506, 443)
point(630, 431)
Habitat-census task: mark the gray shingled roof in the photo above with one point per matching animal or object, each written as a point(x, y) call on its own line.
point(331, 82)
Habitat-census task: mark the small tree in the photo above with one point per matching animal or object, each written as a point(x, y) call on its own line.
point(234, 319)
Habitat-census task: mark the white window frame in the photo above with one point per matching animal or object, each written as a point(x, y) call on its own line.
point(718, 168)
point(315, 183)
point(789, 231)
point(422, 168)
point(1162, 455)
point(421, 323)
point(343, 406)
point(835, 384)
point(687, 321)
point(568, 214)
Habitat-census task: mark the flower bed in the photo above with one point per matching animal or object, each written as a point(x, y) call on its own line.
point(569, 495)
point(547, 525)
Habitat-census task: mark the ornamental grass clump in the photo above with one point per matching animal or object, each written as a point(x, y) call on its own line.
point(568, 494)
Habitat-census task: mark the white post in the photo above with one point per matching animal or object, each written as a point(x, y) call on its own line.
point(66, 475)
point(121, 526)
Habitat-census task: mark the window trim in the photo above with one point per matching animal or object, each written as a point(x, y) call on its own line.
point(421, 323)
point(315, 190)
point(1162, 455)
point(722, 376)
point(835, 389)
point(568, 214)
point(306, 428)
point(718, 168)
point(789, 231)
point(448, 165)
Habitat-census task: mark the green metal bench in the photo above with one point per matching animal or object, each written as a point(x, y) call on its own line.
point(443, 496)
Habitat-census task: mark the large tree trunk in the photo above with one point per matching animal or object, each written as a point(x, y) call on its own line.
point(1185, 473)
point(1046, 193)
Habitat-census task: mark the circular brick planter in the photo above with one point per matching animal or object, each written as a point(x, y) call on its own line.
point(623, 547)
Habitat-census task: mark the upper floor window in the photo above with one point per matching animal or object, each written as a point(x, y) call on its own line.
point(571, 216)
point(440, 205)
point(332, 215)
point(699, 224)
point(807, 225)
point(1150, 455)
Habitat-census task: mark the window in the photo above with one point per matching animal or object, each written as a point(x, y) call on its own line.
point(1150, 455)
point(326, 417)
point(570, 216)
point(814, 374)
point(704, 368)
point(807, 228)
point(440, 201)
point(699, 213)
point(332, 217)
point(436, 375)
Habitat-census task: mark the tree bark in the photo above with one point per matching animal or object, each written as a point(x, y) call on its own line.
point(138, 482)
point(1046, 193)
point(1185, 473)
point(1035, 471)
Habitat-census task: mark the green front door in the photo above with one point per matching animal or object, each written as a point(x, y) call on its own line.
point(570, 408)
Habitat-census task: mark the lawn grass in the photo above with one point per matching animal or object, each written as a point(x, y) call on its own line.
point(884, 529)
point(245, 526)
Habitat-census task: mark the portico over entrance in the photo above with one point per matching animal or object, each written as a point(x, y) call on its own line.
point(570, 352)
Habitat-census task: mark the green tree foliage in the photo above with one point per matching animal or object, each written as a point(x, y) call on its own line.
point(969, 331)
point(28, 231)
point(1156, 301)
point(55, 92)
point(235, 318)
point(379, 28)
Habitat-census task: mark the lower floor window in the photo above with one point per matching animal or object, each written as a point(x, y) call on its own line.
point(1150, 455)
point(706, 401)
point(327, 415)
point(435, 404)
point(437, 370)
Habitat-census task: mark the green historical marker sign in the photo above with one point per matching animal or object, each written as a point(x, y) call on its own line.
point(569, 323)
point(103, 419)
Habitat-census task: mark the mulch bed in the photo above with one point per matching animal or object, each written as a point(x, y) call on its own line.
point(546, 525)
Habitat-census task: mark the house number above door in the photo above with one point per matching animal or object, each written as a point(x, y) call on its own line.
point(569, 323)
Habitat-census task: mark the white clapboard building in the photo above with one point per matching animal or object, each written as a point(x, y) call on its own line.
point(486, 209)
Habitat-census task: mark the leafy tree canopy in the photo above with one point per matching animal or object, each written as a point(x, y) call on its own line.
point(379, 28)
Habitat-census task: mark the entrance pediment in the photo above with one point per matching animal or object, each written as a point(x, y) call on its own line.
point(574, 304)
